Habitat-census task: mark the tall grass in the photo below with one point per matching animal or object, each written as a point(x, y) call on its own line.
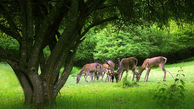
point(101, 95)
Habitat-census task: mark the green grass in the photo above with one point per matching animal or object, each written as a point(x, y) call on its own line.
point(101, 95)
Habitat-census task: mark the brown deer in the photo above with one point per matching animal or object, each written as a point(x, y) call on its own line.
point(148, 64)
point(110, 71)
point(91, 69)
point(111, 64)
point(127, 64)
point(105, 69)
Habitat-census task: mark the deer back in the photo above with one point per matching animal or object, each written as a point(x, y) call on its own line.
point(154, 62)
point(92, 67)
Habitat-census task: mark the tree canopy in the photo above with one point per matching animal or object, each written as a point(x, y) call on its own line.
point(61, 25)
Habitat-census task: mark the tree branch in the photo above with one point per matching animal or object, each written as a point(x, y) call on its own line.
point(98, 23)
point(46, 28)
point(106, 6)
point(4, 56)
point(13, 28)
point(64, 76)
point(9, 32)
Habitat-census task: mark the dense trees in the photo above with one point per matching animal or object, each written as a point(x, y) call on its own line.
point(139, 41)
point(61, 25)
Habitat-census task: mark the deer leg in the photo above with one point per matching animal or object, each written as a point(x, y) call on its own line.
point(133, 70)
point(112, 78)
point(108, 77)
point(120, 76)
point(95, 76)
point(86, 75)
point(147, 73)
point(103, 73)
point(109, 74)
point(127, 72)
point(91, 77)
point(164, 70)
point(98, 75)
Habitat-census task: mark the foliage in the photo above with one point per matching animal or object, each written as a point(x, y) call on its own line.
point(8, 43)
point(141, 42)
point(84, 53)
point(75, 71)
point(125, 83)
point(172, 96)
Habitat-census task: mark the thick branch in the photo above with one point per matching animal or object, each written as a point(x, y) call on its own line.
point(64, 75)
point(4, 56)
point(13, 30)
point(98, 23)
point(54, 18)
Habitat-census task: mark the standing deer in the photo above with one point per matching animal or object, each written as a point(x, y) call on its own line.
point(127, 64)
point(149, 63)
point(91, 69)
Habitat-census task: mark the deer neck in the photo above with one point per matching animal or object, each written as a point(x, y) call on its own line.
point(141, 69)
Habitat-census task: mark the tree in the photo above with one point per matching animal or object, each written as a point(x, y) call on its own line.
point(62, 25)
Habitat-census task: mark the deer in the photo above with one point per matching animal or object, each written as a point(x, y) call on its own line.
point(127, 64)
point(111, 64)
point(149, 63)
point(105, 69)
point(91, 69)
point(111, 69)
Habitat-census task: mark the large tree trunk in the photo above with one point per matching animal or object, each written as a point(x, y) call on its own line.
point(39, 92)
point(35, 90)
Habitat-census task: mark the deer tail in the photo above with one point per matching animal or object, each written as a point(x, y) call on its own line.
point(165, 59)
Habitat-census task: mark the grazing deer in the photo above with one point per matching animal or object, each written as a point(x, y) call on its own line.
point(111, 64)
point(149, 63)
point(105, 69)
point(127, 64)
point(89, 69)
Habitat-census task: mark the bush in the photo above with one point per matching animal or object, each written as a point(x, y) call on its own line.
point(171, 97)
point(125, 83)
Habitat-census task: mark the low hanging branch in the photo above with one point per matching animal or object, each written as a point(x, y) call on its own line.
point(98, 23)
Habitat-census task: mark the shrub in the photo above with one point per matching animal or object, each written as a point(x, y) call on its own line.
point(171, 97)
point(125, 83)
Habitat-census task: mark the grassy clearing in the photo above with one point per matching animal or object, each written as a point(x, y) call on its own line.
point(101, 95)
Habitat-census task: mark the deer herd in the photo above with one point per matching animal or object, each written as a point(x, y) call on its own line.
point(95, 70)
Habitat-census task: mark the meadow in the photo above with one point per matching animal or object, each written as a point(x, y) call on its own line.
point(102, 95)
